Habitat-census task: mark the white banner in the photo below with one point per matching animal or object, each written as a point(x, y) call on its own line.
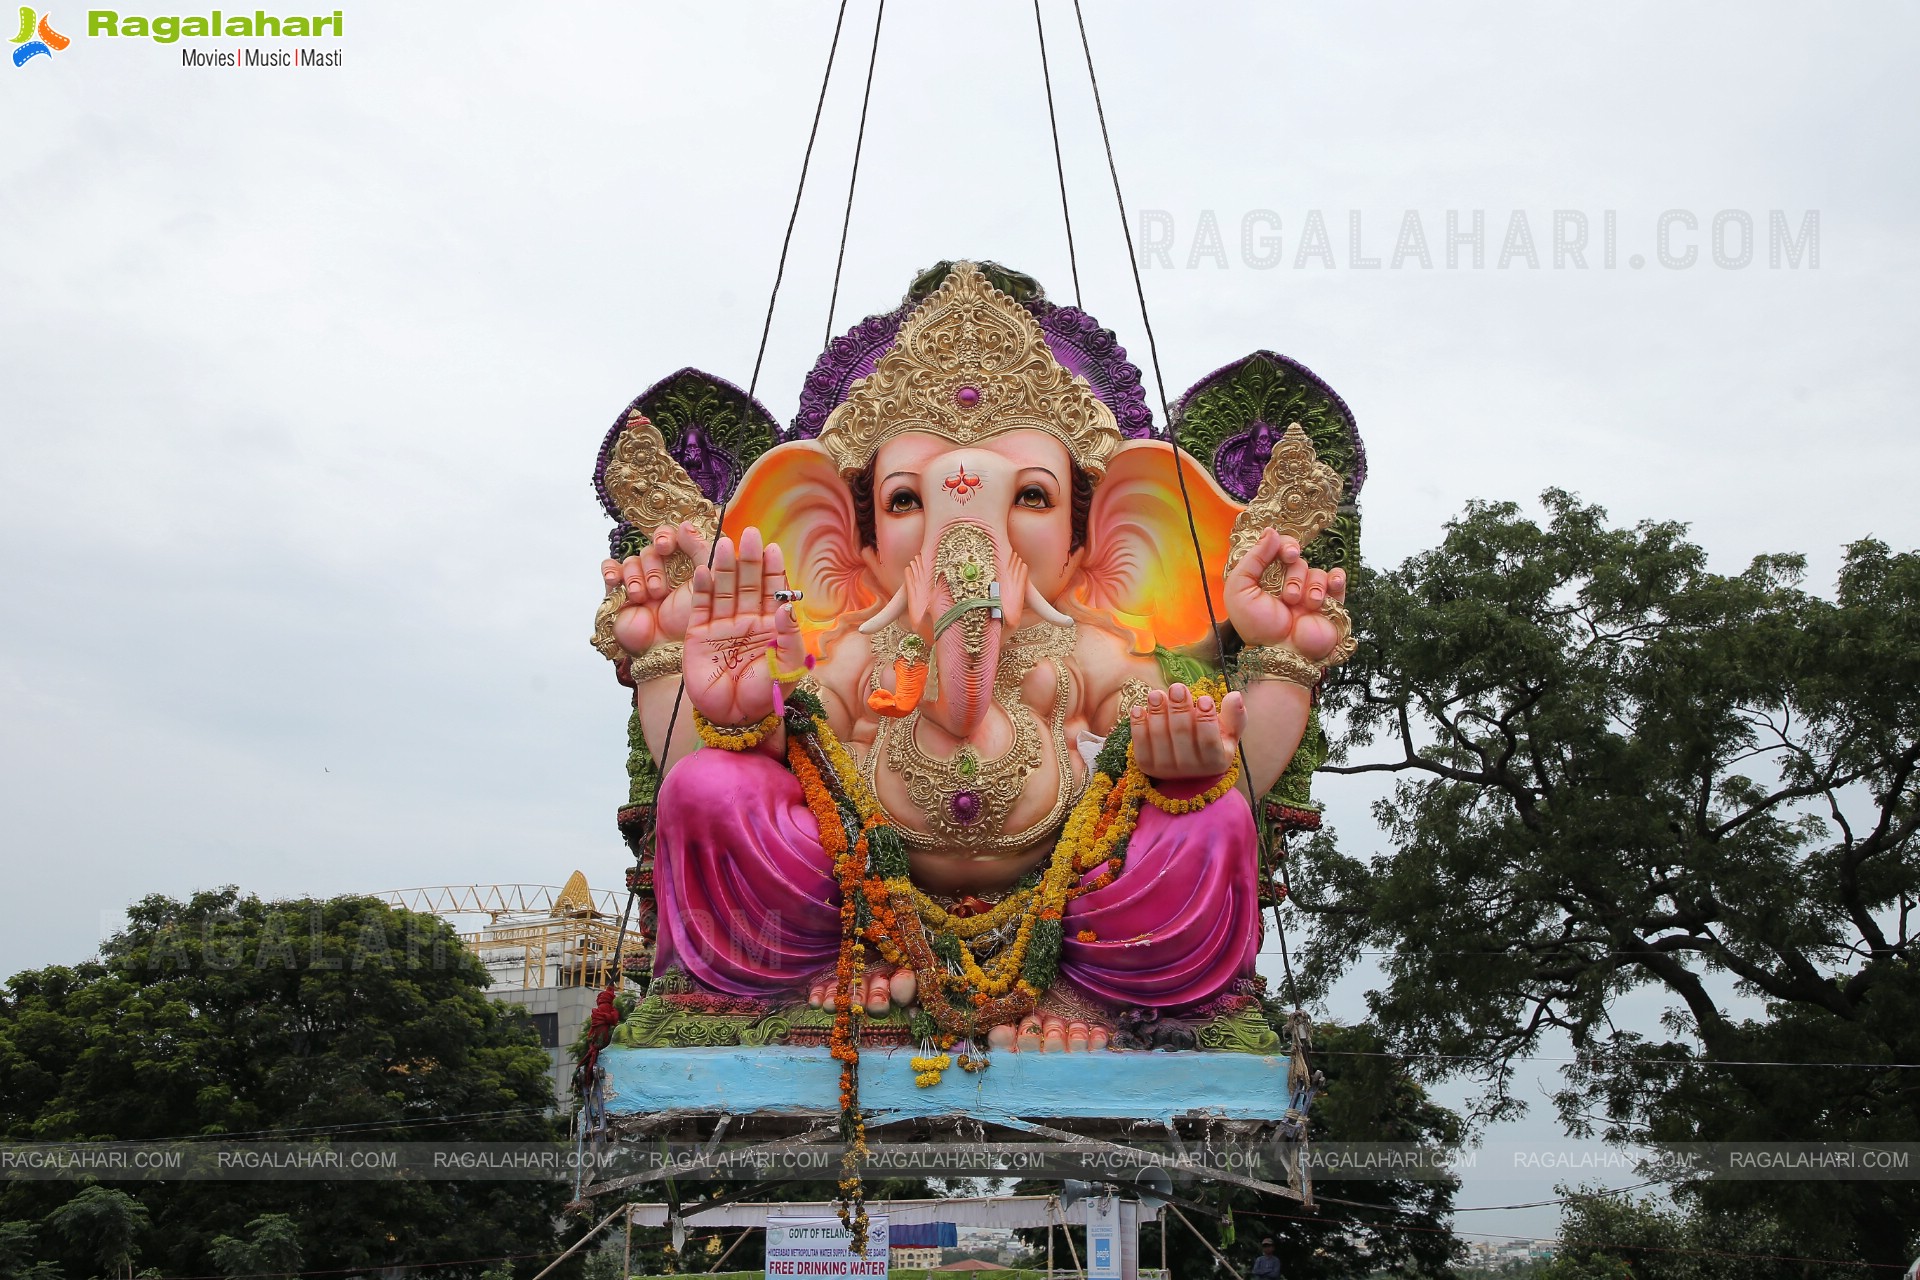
point(1103, 1238)
point(812, 1247)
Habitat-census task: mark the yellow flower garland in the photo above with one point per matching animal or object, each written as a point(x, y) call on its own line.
point(939, 919)
point(743, 738)
point(1193, 804)
point(1095, 832)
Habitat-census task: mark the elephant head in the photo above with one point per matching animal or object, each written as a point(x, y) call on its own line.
point(976, 459)
point(1011, 527)
point(970, 484)
point(969, 431)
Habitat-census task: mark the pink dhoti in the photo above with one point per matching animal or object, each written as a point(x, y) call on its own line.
point(748, 904)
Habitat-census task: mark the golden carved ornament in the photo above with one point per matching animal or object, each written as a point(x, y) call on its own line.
point(1281, 662)
point(970, 363)
point(964, 560)
point(651, 489)
point(603, 623)
point(658, 662)
point(1299, 495)
point(1347, 646)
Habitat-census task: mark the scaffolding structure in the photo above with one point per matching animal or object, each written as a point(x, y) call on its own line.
point(500, 900)
point(537, 936)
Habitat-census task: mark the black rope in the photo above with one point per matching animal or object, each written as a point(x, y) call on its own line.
point(753, 386)
point(1059, 166)
point(1179, 472)
point(1286, 960)
point(807, 159)
point(859, 139)
point(1153, 349)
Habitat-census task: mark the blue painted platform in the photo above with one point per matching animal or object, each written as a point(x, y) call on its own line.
point(793, 1081)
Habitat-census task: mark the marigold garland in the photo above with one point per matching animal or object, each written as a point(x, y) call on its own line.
point(961, 995)
point(1193, 804)
point(926, 1070)
point(742, 738)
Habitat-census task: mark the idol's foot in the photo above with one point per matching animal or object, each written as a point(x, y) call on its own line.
point(1048, 1034)
point(882, 990)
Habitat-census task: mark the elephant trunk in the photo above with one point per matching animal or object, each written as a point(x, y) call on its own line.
point(967, 626)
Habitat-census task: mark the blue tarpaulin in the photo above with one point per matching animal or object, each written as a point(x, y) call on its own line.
point(923, 1235)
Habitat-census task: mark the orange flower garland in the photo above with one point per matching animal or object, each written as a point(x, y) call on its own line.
point(961, 996)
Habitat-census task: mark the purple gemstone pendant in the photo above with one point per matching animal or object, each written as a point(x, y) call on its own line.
point(967, 396)
point(964, 807)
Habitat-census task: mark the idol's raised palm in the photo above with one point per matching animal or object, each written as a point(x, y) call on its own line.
point(739, 631)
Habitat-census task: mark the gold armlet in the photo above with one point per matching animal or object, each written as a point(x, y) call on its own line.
point(661, 660)
point(1280, 662)
point(734, 737)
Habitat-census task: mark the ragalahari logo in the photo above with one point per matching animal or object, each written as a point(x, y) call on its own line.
point(36, 37)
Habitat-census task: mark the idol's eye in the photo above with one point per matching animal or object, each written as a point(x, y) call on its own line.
point(1034, 497)
point(902, 500)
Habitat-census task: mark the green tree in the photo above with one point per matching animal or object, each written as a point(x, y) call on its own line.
point(1616, 769)
point(228, 1015)
point(1610, 1237)
point(18, 1255)
point(272, 1249)
point(101, 1224)
point(1368, 1226)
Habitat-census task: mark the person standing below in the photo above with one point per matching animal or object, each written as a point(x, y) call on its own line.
point(1267, 1265)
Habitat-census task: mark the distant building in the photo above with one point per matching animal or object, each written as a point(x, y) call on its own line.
point(549, 953)
point(1496, 1256)
point(913, 1257)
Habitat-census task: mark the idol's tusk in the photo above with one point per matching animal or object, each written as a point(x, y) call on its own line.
point(894, 608)
point(1040, 605)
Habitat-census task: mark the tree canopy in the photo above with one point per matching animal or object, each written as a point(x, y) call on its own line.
point(1616, 769)
point(228, 1015)
point(1364, 1226)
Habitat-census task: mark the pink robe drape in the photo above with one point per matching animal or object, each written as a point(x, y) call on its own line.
point(748, 905)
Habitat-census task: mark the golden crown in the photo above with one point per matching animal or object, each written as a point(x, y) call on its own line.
point(970, 363)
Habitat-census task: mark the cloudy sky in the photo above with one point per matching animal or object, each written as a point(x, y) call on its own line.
point(305, 370)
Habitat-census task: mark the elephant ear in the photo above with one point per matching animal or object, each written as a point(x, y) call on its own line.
point(1233, 419)
point(794, 495)
point(1140, 568)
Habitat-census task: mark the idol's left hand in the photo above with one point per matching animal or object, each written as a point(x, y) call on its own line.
point(1179, 735)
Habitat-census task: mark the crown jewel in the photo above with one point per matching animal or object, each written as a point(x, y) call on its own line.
point(970, 363)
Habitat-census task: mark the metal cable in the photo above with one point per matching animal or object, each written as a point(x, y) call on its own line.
point(1059, 165)
point(1153, 348)
point(1179, 472)
point(753, 385)
point(853, 179)
point(781, 270)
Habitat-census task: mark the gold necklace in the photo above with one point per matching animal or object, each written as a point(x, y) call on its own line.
point(965, 800)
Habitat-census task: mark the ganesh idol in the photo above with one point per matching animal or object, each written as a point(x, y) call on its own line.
point(944, 725)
